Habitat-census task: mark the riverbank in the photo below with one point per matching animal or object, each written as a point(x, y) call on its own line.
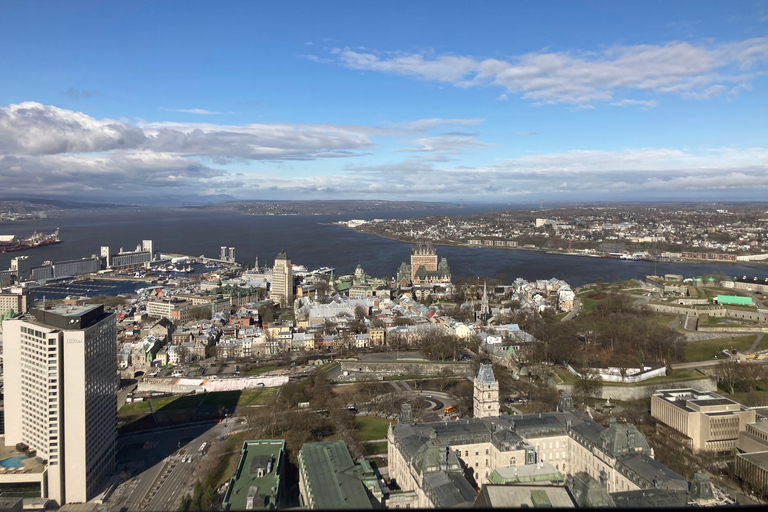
point(450, 243)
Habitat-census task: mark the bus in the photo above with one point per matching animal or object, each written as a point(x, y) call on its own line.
point(450, 409)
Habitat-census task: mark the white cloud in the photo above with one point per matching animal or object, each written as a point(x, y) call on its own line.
point(449, 143)
point(421, 125)
point(502, 97)
point(201, 111)
point(641, 103)
point(34, 129)
point(577, 77)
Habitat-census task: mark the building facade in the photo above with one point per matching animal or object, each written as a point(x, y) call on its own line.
point(282, 280)
point(431, 459)
point(705, 420)
point(486, 395)
point(49, 351)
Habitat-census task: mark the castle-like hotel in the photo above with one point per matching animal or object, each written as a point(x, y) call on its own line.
point(440, 465)
point(424, 275)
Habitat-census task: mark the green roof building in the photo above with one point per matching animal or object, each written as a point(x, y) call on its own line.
point(258, 478)
point(330, 479)
point(735, 300)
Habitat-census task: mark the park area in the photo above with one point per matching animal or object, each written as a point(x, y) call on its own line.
point(174, 410)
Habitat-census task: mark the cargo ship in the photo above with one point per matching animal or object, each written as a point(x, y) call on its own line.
point(9, 243)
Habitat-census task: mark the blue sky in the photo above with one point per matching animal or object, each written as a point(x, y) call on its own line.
point(481, 101)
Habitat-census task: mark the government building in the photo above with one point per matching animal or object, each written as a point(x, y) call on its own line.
point(443, 464)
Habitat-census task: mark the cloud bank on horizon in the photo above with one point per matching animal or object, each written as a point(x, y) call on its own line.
point(59, 151)
point(624, 112)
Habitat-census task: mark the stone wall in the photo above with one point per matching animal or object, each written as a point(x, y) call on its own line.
point(732, 328)
point(405, 367)
point(644, 391)
point(165, 386)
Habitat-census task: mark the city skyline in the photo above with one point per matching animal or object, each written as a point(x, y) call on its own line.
point(442, 102)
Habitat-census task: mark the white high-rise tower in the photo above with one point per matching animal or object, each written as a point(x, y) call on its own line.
point(60, 395)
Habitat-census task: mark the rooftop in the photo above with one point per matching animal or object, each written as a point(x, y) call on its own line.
point(331, 478)
point(257, 478)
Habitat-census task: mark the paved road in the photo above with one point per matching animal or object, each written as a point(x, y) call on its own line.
point(137, 488)
point(757, 342)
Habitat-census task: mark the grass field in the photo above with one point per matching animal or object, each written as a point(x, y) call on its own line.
point(135, 408)
point(371, 427)
point(565, 375)
point(587, 304)
point(708, 349)
point(264, 369)
point(719, 321)
point(375, 448)
point(246, 397)
point(665, 320)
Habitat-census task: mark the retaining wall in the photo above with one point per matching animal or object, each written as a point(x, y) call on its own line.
point(405, 367)
point(640, 391)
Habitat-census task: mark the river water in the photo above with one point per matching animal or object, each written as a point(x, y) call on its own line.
point(310, 240)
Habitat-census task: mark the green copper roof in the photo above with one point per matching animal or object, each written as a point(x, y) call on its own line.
point(256, 455)
point(282, 256)
point(331, 478)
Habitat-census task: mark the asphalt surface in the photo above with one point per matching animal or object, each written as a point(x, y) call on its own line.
point(166, 477)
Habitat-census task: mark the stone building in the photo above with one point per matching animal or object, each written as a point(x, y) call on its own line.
point(431, 459)
point(486, 395)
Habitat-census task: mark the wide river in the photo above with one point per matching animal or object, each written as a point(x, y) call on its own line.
point(310, 240)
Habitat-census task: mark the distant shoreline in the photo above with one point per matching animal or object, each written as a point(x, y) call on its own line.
point(554, 252)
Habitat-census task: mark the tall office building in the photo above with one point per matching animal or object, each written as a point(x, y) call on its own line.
point(282, 280)
point(60, 395)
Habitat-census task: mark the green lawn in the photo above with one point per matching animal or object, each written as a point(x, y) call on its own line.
point(375, 448)
point(328, 366)
point(264, 369)
point(135, 408)
point(372, 427)
point(565, 375)
point(708, 349)
point(720, 321)
point(587, 304)
point(246, 397)
point(562, 315)
point(665, 320)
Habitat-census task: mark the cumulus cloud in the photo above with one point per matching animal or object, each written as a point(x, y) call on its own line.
point(110, 174)
point(50, 149)
point(34, 129)
point(579, 77)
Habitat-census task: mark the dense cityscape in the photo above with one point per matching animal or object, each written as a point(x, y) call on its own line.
point(242, 385)
point(383, 255)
